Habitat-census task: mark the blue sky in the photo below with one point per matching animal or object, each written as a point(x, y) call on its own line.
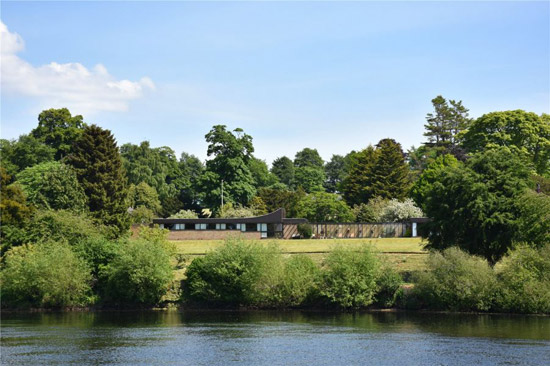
point(335, 76)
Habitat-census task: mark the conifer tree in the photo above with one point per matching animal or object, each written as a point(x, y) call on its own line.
point(98, 166)
point(390, 173)
point(356, 186)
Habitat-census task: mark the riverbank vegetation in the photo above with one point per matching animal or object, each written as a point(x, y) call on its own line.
point(69, 192)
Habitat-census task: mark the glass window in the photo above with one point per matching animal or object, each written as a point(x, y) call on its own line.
point(200, 226)
point(179, 227)
point(220, 226)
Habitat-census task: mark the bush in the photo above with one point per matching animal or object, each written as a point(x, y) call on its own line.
point(305, 231)
point(396, 211)
point(185, 214)
point(140, 273)
point(524, 276)
point(349, 279)
point(230, 276)
point(389, 289)
point(230, 211)
point(456, 281)
point(45, 275)
point(292, 283)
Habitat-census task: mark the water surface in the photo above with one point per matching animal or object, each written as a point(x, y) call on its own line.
point(273, 338)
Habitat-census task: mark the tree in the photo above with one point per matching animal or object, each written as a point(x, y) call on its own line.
point(283, 168)
point(231, 154)
point(309, 178)
point(98, 166)
point(143, 195)
point(262, 176)
point(324, 207)
point(390, 173)
point(423, 185)
point(59, 130)
point(23, 153)
point(397, 211)
point(335, 171)
point(446, 124)
point(476, 205)
point(275, 199)
point(191, 169)
point(356, 186)
point(53, 186)
point(525, 132)
point(308, 158)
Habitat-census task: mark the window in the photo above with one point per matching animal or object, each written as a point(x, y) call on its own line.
point(262, 227)
point(179, 227)
point(220, 226)
point(200, 226)
point(241, 227)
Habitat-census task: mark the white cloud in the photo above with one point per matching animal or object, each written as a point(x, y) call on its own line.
point(70, 85)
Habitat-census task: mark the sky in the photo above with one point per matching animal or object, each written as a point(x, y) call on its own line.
point(335, 76)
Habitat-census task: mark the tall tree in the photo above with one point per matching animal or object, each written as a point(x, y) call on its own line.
point(59, 130)
point(53, 185)
point(479, 205)
point(335, 171)
point(261, 174)
point(324, 207)
point(445, 125)
point(23, 153)
point(187, 183)
point(356, 187)
point(283, 168)
point(308, 157)
point(309, 178)
point(525, 132)
point(231, 153)
point(98, 166)
point(390, 173)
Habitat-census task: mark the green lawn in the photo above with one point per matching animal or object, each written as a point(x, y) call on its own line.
point(313, 246)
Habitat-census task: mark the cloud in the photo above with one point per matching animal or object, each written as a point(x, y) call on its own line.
point(70, 85)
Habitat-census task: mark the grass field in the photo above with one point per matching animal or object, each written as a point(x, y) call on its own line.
point(406, 254)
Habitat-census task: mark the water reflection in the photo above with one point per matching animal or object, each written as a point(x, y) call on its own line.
point(272, 338)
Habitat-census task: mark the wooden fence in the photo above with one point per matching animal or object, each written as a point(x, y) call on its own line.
point(322, 230)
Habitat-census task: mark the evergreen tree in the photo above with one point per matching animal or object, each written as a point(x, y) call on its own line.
point(335, 171)
point(308, 157)
point(390, 173)
point(356, 185)
point(98, 166)
point(283, 168)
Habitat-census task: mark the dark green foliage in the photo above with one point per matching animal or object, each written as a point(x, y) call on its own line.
point(25, 152)
point(324, 207)
point(524, 277)
point(230, 276)
point(190, 171)
point(356, 186)
point(59, 130)
point(283, 168)
point(525, 133)
point(308, 158)
point(475, 206)
point(140, 273)
point(262, 176)
point(419, 159)
point(98, 166)
point(423, 186)
point(349, 278)
point(445, 125)
point(45, 275)
point(456, 281)
point(534, 218)
point(53, 185)
point(15, 213)
point(389, 174)
point(231, 155)
point(335, 171)
point(309, 178)
point(97, 252)
point(389, 287)
point(281, 198)
point(305, 231)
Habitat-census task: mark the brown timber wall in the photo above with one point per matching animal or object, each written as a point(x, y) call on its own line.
point(359, 230)
point(211, 234)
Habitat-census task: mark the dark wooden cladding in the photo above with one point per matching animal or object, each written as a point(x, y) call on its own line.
point(322, 230)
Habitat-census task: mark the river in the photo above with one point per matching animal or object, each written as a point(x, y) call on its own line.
point(272, 338)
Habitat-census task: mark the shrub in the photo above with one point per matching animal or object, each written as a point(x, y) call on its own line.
point(349, 278)
point(524, 276)
point(230, 275)
point(45, 275)
point(291, 283)
point(185, 214)
point(230, 211)
point(140, 273)
point(456, 281)
point(305, 231)
point(399, 211)
point(389, 288)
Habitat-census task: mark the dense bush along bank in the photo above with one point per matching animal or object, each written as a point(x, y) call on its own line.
point(140, 273)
